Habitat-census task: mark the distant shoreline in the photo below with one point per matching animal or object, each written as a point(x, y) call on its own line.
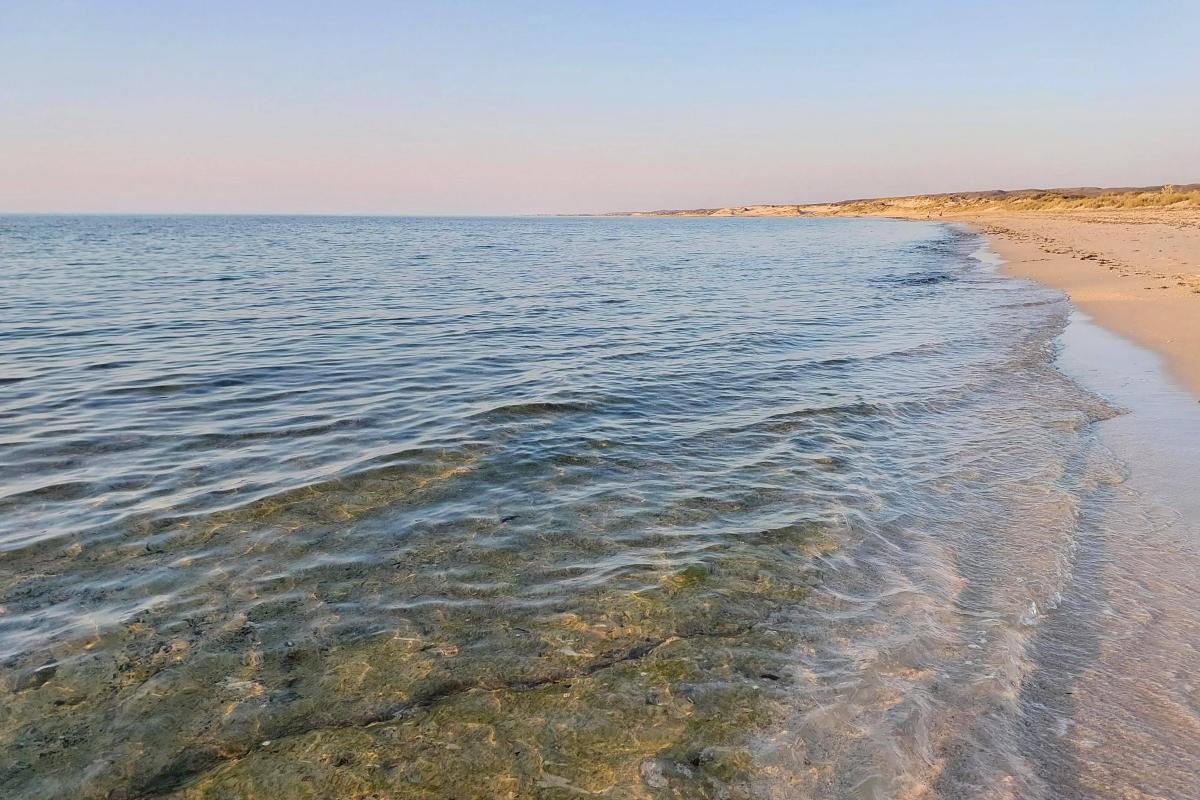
point(1129, 258)
point(1088, 197)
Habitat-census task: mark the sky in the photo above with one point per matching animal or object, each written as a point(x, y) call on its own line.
point(497, 107)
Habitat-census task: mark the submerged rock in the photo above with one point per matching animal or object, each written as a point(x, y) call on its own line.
point(36, 677)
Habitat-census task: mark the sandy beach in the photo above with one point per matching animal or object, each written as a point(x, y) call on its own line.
point(1135, 272)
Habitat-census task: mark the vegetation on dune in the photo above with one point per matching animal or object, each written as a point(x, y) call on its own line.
point(1031, 200)
point(1168, 196)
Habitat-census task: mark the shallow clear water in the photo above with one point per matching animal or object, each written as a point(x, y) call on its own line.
point(533, 507)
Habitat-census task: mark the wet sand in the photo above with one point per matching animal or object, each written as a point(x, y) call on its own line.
point(1112, 698)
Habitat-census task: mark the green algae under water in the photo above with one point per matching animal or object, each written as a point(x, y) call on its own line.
point(653, 682)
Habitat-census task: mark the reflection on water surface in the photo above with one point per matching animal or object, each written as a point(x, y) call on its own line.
point(527, 508)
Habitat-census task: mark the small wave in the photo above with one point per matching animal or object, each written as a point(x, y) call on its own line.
point(791, 420)
point(298, 430)
point(336, 497)
point(103, 365)
point(52, 492)
point(544, 408)
point(1047, 301)
point(166, 387)
point(915, 279)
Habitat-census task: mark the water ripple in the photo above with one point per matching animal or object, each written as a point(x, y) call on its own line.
point(553, 505)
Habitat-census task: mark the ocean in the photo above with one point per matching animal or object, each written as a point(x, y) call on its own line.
point(551, 507)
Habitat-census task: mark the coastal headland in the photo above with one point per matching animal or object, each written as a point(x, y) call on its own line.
point(1128, 257)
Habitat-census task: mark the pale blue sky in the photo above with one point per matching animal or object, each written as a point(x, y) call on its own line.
point(514, 107)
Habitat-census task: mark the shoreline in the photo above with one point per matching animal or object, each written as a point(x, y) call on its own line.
point(1159, 428)
point(1160, 431)
point(1095, 264)
point(1136, 272)
point(1126, 613)
point(1129, 258)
